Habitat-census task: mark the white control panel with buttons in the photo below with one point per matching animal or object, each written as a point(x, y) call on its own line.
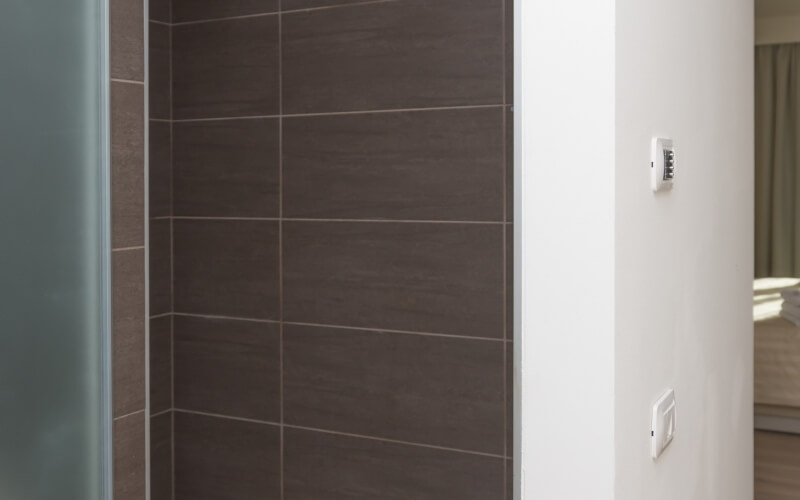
point(662, 164)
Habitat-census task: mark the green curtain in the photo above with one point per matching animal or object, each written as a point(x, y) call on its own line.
point(777, 161)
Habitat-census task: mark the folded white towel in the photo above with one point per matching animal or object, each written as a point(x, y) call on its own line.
point(795, 320)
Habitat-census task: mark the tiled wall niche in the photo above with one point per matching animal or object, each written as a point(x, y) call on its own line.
point(330, 228)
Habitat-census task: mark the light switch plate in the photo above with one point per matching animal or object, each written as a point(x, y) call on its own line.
point(662, 164)
point(662, 430)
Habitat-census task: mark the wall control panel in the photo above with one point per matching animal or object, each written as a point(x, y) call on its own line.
point(662, 164)
point(662, 429)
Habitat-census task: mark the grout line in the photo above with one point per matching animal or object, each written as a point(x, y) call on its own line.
point(143, 410)
point(122, 80)
point(125, 249)
point(280, 242)
point(162, 315)
point(340, 327)
point(337, 433)
point(162, 412)
point(162, 23)
point(161, 120)
point(396, 441)
point(279, 12)
point(305, 219)
point(161, 217)
point(345, 113)
point(231, 318)
point(227, 417)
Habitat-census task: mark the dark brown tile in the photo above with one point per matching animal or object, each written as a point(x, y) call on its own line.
point(160, 364)
point(127, 164)
point(227, 168)
point(160, 169)
point(126, 31)
point(310, 4)
point(160, 267)
point(509, 166)
point(441, 278)
point(128, 305)
point(228, 367)
point(509, 50)
point(509, 282)
point(159, 60)
point(226, 267)
point(226, 68)
point(224, 459)
point(161, 457)
point(130, 457)
point(509, 398)
point(509, 479)
point(161, 10)
point(409, 54)
point(322, 466)
point(432, 165)
point(418, 388)
point(194, 10)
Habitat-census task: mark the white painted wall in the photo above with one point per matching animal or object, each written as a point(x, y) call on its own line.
point(565, 201)
point(622, 293)
point(684, 259)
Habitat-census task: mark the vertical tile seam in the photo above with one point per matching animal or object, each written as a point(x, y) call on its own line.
point(170, 8)
point(145, 29)
point(280, 238)
point(505, 249)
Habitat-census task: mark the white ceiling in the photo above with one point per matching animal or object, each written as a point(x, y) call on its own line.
point(777, 8)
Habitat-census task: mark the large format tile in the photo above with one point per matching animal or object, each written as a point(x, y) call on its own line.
point(127, 164)
point(160, 71)
point(128, 303)
point(161, 457)
point(311, 4)
point(226, 68)
point(194, 10)
point(130, 457)
point(228, 367)
point(226, 267)
point(432, 165)
point(407, 54)
point(160, 169)
point(442, 278)
point(160, 364)
point(160, 266)
point(226, 168)
point(224, 459)
point(161, 10)
point(126, 32)
point(320, 466)
point(419, 388)
point(777, 465)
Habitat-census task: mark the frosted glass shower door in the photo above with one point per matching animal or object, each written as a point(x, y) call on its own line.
point(54, 414)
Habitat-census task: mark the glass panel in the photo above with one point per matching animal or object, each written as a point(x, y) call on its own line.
point(53, 265)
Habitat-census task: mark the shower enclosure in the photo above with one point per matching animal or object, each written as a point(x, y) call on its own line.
point(261, 249)
point(54, 256)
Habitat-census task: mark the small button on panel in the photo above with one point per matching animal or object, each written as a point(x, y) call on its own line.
point(662, 164)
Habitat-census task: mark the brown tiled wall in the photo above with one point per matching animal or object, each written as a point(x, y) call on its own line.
point(128, 243)
point(333, 180)
point(160, 191)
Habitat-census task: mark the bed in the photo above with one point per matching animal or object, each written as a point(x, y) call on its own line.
point(777, 359)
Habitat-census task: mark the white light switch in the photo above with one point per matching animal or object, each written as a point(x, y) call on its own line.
point(662, 164)
point(663, 427)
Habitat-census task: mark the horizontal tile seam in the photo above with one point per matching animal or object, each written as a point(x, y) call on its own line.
point(132, 82)
point(380, 221)
point(338, 327)
point(161, 315)
point(343, 113)
point(127, 249)
point(339, 433)
point(162, 23)
point(276, 12)
point(131, 414)
point(162, 412)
